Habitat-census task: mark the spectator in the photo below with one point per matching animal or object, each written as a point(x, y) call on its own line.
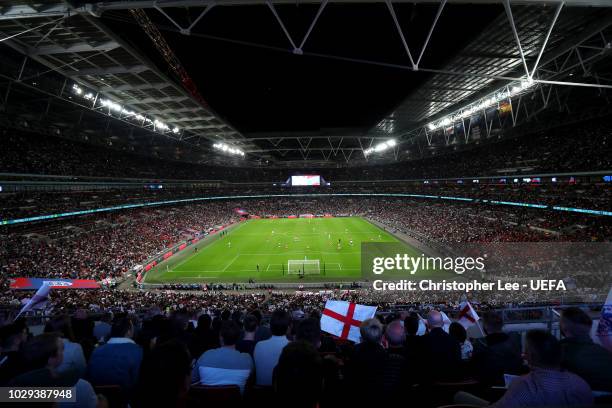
point(396, 338)
point(309, 331)
point(413, 341)
point(102, 328)
point(268, 351)
point(458, 332)
point(546, 385)
point(396, 370)
point(205, 338)
point(263, 331)
point(441, 352)
point(365, 368)
point(12, 338)
point(165, 376)
point(298, 377)
point(580, 354)
point(496, 354)
point(224, 365)
point(118, 361)
point(73, 359)
point(43, 354)
point(82, 328)
point(247, 343)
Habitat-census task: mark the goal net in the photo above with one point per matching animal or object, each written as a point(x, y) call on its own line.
point(303, 266)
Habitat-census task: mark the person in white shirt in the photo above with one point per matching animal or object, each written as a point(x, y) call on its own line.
point(224, 365)
point(267, 352)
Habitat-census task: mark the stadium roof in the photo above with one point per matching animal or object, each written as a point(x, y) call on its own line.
point(543, 42)
point(493, 59)
point(99, 61)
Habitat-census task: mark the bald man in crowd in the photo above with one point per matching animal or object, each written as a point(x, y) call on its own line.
point(441, 353)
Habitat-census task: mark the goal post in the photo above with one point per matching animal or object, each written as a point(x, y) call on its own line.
point(303, 266)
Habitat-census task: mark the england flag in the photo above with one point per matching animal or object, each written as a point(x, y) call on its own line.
point(342, 319)
point(467, 315)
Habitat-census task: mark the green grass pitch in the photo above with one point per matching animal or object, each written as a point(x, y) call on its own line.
point(271, 243)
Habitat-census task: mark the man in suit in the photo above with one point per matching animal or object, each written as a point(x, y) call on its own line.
point(496, 354)
point(366, 367)
point(441, 352)
point(580, 354)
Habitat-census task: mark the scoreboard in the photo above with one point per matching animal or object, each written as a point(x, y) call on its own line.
point(306, 180)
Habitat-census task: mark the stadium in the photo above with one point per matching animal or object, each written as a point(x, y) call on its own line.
point(318, 203)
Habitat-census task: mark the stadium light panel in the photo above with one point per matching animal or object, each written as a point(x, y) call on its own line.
point(380, 147)
point(482, 104)
point(113, 106)
point(228, 149)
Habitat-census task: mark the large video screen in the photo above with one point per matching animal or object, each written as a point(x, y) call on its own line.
point(309, 180)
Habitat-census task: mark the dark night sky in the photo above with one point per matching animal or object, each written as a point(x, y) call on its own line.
point(261, 89)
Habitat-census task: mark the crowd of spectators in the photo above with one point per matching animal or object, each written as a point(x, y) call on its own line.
point(587, 195)
point(206, 356)
point(106, 246)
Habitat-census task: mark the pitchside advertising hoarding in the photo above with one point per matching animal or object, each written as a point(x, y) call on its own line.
point(513, 272)
point(36, 283)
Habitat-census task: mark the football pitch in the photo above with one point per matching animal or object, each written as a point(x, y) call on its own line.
point(277, 250)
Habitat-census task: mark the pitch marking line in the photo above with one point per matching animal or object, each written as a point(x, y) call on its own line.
point(232, 261)
point(198, 271)
point(203, 248)
point(180, 263)
point(271, 265)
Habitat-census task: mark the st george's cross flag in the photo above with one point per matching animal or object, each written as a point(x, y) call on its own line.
point(467, 315)
point(342, 319)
